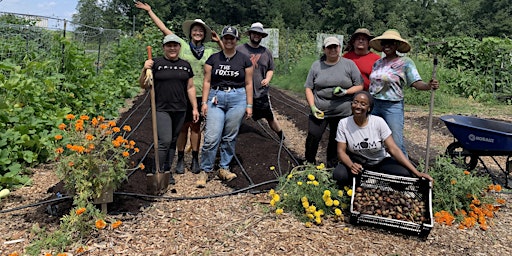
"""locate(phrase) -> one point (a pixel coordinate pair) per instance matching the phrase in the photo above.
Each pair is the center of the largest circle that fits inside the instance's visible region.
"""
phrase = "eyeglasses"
(387, 42)
(362, 104)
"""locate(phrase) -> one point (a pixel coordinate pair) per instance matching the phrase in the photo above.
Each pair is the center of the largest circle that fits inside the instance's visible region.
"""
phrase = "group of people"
(359, 95)
(225, 85)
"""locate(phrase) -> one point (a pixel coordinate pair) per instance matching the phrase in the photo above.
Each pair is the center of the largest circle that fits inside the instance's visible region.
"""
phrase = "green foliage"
(455, 188)
(310, 193)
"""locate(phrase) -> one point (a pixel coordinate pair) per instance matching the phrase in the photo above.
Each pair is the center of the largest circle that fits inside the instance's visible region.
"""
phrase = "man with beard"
(263, 64)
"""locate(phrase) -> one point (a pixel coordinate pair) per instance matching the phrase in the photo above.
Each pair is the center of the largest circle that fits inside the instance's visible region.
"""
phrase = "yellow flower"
(116, 224)
(327, 192)
(310, 216)
(305, 204)
(312, 208)
(304, 199)
(100, 224)
(308, 224)
(315, 183)
(337, 211)
(80, 211)
(318, 220)
(271, 192)
(279, 211)
(272, 168)
(311, 177)
(320, 167)
(349, 192)
(299, 183)
(272, 202)
(329, 203)
(340, 193)
(276, 197)
(335, 202)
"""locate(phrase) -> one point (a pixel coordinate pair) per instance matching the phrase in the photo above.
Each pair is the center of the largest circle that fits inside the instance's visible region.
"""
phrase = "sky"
(63, 9)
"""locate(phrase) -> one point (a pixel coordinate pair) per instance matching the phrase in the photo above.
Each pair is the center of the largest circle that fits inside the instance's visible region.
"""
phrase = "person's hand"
(148, 64)
(215, 37)
(317, 112)
(433, 84)
(195, 115)
(356, 168)
(248, 112)
(338, 91)
(204, 109)
(265, 82)
(425, 176)
(143, 6)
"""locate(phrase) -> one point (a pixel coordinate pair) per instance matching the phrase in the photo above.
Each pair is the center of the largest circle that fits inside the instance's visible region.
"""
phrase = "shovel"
(156, 183)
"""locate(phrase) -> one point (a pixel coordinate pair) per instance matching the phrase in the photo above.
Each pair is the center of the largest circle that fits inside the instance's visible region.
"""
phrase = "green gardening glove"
(317, 112)
(338, 91)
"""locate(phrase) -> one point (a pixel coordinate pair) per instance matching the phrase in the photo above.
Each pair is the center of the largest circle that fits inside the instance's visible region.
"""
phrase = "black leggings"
(343, 175)
(169, 126)
(316, 128)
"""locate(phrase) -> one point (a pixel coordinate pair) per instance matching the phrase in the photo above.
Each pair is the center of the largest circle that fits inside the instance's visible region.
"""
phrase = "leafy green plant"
(310, 193)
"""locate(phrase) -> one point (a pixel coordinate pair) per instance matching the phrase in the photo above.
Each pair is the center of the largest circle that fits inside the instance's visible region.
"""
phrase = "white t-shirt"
(366, 142)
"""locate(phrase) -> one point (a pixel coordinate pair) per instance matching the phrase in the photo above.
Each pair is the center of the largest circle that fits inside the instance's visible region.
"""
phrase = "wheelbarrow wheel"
(461, 157)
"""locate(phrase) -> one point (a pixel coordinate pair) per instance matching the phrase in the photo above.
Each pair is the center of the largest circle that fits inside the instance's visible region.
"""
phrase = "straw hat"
(391, 34)
(189, 23)
(363, 31)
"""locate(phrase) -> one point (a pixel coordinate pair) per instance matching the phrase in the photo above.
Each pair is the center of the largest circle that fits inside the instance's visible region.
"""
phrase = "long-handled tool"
(154, 180)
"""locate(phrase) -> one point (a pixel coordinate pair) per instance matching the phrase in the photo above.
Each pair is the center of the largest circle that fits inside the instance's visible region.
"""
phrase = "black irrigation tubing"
(280, 141)
(234, 192)
(36, 204)
(136, 108)
(289, 105)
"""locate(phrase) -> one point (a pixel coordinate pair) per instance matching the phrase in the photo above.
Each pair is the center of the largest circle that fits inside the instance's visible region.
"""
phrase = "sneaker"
(202, 179)
(225, 174)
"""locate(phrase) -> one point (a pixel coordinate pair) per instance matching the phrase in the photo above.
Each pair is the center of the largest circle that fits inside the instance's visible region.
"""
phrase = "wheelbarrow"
(476, 137)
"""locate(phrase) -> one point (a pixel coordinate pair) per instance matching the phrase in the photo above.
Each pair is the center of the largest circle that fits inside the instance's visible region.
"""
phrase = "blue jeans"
(223, 122)
(393, 114)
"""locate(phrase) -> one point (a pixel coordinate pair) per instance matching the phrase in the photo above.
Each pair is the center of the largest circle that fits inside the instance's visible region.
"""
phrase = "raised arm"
(156, 20)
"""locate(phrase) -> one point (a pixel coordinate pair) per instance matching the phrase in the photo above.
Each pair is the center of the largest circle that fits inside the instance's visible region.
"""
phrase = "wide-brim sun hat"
(257, 28)
(188, 24)
(391, 34)
(363, 31)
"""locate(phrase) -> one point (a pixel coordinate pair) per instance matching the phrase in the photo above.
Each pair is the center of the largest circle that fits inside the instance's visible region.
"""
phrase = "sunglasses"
(387, 42)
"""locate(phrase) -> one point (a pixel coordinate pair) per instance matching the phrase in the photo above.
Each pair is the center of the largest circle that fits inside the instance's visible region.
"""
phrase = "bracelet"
(249, 106)
(203, 102)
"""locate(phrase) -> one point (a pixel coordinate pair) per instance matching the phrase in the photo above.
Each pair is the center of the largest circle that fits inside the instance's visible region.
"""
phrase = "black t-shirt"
(228, 71)
(171, 81)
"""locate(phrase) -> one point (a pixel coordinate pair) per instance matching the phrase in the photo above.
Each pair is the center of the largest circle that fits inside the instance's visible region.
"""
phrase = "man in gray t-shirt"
(263, 64)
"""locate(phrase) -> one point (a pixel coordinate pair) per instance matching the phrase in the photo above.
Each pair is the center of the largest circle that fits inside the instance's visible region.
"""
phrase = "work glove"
(338, 91)
(317, 112)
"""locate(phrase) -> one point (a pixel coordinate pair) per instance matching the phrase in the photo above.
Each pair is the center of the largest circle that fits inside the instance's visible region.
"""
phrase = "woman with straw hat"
(196, 54)
(389, 76)
(358, 50)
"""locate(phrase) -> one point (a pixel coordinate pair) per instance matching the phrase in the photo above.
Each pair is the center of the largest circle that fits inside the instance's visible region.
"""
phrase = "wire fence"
(41, 37)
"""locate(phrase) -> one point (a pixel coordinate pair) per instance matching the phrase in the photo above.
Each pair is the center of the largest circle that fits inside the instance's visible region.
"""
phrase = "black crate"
(405, 186)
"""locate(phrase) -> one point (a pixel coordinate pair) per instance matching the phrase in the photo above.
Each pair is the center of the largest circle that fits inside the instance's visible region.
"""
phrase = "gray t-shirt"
(323, 78)
(262, 61)
(366, 142)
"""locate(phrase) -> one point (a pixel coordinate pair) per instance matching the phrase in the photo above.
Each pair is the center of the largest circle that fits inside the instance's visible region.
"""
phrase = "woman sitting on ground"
(362, 143)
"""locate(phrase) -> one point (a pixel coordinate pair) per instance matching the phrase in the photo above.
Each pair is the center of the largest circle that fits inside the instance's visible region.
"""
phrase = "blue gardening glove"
(338, 91)
(317, 112)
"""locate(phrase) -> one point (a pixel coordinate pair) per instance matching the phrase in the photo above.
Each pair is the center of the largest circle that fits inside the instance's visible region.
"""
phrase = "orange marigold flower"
(70, 116)
(127, 128)
(116, 224)
(14, 254)
(132, 143)
(116, 143)
(62, 254)
(500, 201)
(116, 129)
(497, 187)
(62, 126)
(58, 137)
(466, 172)
(101, 224)
(91, 146)
(484, 227)
(101, 118)
(126, 154)
(84, 117)
(80, 249)
(95, 121)
(70, 164)
(142, 166)
(136, 150)
(59, 150)
(47, 254)
(112, 123)
(79, 127)
(80, 211)
(453, 182)
(103, 126)
(89, 137)
(475, 201)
